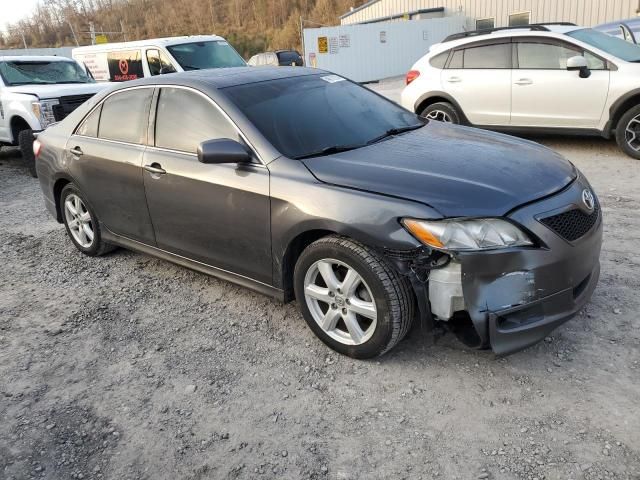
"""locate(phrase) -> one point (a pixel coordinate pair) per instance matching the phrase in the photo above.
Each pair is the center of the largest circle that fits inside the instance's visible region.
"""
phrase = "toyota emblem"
(587, 199)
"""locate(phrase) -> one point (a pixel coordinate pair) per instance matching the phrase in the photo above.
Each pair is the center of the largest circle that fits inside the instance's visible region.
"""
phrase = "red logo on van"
(123, 65)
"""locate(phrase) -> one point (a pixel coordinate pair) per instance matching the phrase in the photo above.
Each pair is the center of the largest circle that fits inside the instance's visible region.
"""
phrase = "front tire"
(352, 298)
(442, 112)
(25, 142)
(628, 132)
(81, 223)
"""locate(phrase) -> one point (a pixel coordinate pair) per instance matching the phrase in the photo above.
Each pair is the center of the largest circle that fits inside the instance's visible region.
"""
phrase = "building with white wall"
(495, 13)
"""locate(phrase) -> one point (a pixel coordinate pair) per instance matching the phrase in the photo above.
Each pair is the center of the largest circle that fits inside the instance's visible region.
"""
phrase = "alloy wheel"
(439, 116)
(632, 133)
(78, 220)
(340, 301)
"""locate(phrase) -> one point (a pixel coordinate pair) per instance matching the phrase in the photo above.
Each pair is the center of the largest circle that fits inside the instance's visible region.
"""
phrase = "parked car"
(120, 62)
(541, 78)
(279, 58)
(36, 92)
(628, 30)
(361, 222)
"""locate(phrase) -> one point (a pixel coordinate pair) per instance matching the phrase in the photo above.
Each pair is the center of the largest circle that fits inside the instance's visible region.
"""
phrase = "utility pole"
(24, 41)
(124, 34)
(73, 33)
(92, 32)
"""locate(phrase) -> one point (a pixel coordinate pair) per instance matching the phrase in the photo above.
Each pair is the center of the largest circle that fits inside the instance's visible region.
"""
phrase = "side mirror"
(579, 63)
(223, 150)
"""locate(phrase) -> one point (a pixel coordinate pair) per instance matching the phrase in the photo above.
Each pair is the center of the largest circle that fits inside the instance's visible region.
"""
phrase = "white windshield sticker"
(332, 79)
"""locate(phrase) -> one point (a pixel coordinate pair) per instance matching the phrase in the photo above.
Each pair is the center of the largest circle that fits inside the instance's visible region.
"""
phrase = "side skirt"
(246, 282)
(589, 132)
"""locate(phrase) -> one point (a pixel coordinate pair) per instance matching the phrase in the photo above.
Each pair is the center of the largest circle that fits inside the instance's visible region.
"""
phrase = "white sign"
(333, 45)
(345, 41)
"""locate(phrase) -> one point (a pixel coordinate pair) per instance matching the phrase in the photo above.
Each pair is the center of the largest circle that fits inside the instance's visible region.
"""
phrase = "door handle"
(77, 151)
(524, 81)
(454, 79)
(155, 168)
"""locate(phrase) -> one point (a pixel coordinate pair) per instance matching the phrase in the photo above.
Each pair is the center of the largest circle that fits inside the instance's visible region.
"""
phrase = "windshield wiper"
(330, 150)
(190, 67)
(395, 131)
(31, 83)
(71, 81)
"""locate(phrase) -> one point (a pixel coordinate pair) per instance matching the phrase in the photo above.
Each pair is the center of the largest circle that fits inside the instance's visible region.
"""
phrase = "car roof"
(34, 58)
(552, 31)
(164, 41)
(217, 78)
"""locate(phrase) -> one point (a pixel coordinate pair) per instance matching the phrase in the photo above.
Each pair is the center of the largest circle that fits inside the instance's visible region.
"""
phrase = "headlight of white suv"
(467, 234)
(43, 110)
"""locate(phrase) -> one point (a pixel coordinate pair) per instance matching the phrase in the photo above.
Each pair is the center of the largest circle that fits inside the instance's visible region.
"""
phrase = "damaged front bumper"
(515, 297)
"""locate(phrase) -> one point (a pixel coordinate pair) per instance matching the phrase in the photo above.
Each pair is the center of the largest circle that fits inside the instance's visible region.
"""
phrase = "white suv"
(539, 78)
(36, 92)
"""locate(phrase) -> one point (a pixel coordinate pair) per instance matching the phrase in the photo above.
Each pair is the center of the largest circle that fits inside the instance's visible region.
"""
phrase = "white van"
(118, 62)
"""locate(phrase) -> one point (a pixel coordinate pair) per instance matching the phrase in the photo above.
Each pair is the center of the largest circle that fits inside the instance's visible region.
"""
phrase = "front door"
(546, 94)
(215, 214)
(104, 156)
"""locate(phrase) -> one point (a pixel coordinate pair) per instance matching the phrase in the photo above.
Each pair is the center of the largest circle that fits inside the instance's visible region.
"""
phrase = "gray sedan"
(303, 185)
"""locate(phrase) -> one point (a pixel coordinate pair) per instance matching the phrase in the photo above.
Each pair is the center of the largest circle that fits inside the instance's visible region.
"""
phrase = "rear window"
(439, 60)
(125, 116)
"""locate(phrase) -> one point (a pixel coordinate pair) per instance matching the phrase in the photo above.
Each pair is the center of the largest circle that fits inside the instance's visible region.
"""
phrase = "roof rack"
(535, 27)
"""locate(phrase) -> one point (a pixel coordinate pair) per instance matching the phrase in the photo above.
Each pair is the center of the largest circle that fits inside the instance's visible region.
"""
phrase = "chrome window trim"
(160, 86)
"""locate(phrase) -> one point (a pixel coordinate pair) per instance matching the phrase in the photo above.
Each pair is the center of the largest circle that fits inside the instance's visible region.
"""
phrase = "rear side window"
(203, 122)
(89, 128)
(456, 59)
(125, 65)
(488, 56)
(439, 60)
(125, 116)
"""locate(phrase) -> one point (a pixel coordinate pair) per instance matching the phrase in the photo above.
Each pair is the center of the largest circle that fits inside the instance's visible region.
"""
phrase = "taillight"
(37, 148)
(412, 75)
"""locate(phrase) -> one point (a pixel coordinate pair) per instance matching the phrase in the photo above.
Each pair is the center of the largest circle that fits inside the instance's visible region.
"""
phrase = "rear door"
(546, 94)
(478, 77)
(104, 157)
(216, 214)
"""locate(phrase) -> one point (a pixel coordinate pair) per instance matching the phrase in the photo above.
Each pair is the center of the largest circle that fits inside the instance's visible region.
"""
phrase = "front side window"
(209, 54)
(544, 56)
(315, 115)
(203, 121)
(615, 46)
(488, 56)
(89, 128)
(159, 63)
(125, 116)
(21, 72)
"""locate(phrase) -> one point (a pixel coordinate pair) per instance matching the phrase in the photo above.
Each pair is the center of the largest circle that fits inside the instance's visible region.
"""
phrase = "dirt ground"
(127, 367)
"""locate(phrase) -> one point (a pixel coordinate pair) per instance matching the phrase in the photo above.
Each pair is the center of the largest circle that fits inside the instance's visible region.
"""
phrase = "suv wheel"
(25, 142)
(351, 298)
(81, 223)
(628, 132)
(442, 112)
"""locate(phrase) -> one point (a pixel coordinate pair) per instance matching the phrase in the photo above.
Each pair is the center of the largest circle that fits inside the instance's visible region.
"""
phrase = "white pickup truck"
(36, 92)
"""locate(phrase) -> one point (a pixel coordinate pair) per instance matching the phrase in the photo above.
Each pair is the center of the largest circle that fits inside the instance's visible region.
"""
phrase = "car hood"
(58, 90)
(459, 171)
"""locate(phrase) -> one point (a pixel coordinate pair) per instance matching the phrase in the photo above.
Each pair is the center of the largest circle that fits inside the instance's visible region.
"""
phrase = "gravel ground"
(128, 367)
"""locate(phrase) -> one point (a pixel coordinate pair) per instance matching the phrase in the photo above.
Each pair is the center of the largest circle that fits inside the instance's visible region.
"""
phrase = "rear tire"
(442, 112)
(25, 142)
(81, 223)
(363, 308)
(628, 132)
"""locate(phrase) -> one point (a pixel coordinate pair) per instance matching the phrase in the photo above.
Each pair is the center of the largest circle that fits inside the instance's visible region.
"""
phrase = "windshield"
(612, 45)
(19, 72)
(199, 55)
(319, 114)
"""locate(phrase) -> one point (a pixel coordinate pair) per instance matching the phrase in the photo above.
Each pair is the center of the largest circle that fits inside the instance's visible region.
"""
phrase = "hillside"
(250, 25)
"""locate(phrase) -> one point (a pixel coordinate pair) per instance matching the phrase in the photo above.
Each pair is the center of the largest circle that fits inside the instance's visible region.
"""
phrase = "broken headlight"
(467, 234)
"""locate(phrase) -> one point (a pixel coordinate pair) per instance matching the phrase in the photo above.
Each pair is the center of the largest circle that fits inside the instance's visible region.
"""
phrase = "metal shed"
(501, 12)
(374, 51)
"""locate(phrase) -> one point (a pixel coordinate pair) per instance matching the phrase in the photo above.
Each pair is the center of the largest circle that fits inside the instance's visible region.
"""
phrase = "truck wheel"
(352, 298)
(442, 112)
(628, 132)
(25, 142)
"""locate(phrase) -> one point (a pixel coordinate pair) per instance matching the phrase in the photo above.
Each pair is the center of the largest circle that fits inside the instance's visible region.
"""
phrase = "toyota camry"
(305, 186)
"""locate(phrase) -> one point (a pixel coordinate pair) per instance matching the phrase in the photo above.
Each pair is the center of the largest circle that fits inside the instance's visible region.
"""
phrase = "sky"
(12, 10)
